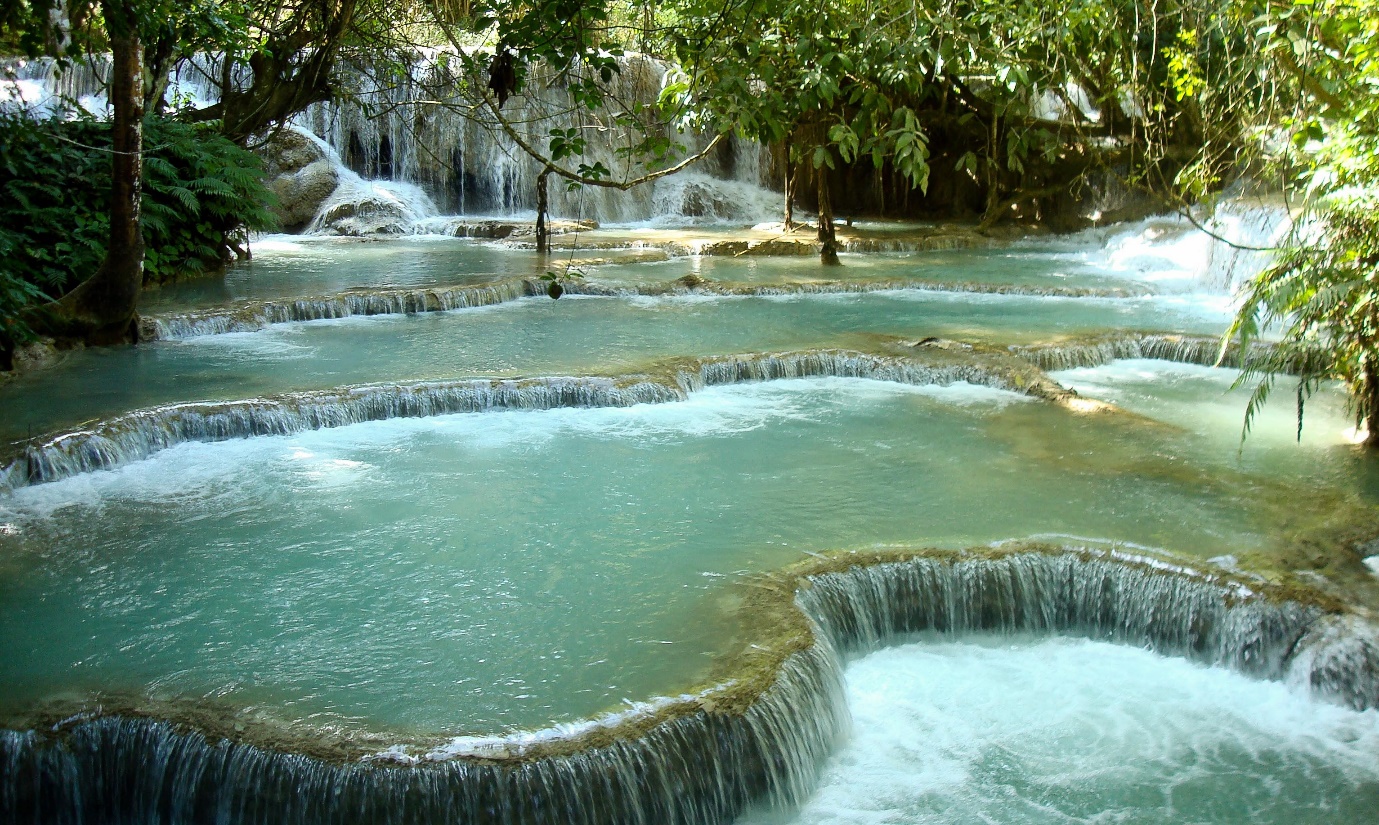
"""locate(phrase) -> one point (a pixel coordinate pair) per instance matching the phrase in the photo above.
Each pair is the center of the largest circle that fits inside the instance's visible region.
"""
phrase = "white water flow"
(1060, 730)
(469, 166)
(441, 580)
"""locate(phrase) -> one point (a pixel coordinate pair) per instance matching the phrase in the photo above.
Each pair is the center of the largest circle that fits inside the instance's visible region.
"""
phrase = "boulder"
(302, 175)
(31, 357)
(301, 193)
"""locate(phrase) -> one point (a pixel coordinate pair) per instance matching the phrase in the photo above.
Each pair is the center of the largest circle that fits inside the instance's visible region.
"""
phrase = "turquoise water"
(538, 336)
(1205, 402)
(293, 265)
(477, 573)
(1022, 267)
(512, 568)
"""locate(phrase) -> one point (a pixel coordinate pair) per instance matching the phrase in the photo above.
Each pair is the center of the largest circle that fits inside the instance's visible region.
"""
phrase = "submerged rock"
(358, 207)
(33, 356)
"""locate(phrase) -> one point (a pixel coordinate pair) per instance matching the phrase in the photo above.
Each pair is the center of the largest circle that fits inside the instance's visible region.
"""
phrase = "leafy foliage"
(202, 194)
(1323, 296)
(998, 93)
(53, 213)
(1323, 291)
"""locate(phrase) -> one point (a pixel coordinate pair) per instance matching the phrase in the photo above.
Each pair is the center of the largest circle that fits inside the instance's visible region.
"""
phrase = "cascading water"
(41, 86)
(744, 721)
(1043, 730)
(401, 161)
(459, 155)
(140, 434)
(1215, 253)
(758, 737)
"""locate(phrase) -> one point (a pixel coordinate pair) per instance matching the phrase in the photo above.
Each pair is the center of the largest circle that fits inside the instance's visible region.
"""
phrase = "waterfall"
(465, 162)
(757, 737)
(136, 435)
(692, 766)
(41, 86)
(372, 207)
(1102, 598)
(1246, 234)
(412, 140)
(1238, 242)
(1202, 350)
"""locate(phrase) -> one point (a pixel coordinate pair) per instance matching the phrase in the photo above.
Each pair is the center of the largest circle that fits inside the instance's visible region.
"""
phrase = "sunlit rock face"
(301, 174)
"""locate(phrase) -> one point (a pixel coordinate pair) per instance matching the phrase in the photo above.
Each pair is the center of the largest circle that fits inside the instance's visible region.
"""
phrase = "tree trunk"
(789, 188)
(101, 310)
(1370, 406)
(543, 244)
(993, 172)
(828, 238)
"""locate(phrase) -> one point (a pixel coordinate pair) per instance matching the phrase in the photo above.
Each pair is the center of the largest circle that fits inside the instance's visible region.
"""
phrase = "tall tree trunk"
(993, 172)
(1370, 405)
(789, 188)
(543, 244)
(828, 238)
(101, 310)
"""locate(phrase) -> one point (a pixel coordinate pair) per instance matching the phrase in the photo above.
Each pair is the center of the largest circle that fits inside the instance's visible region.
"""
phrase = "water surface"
(470, 572)
(538, 336)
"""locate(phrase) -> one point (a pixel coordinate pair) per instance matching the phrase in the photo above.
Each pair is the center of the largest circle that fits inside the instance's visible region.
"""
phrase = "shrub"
(202, 196)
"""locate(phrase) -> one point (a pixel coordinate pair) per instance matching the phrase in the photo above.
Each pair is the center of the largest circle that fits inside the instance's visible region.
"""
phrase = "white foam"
(1107, 382)
(271, 343)
(343, 456)
(1068, 730)
(278, 244)
(1172, 253)
(517, 743)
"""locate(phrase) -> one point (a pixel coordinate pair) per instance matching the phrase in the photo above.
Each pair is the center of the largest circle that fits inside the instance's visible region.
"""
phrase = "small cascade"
(920, 285)
(696, 197)
(137, 435)
(1340, 658)
(1121, 600)
(259, 314)
(256, 315)
(756, 738)
(1184, 349)
(372, 207)
(938, 241)
(834, 364)
(692, 766)
(1217, 254)
(1132, 599)
(1246, 235)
